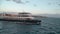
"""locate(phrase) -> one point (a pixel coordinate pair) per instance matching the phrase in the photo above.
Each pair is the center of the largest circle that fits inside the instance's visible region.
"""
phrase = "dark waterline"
(47, 26)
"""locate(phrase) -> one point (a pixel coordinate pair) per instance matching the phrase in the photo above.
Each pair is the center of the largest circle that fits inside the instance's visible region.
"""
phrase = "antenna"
(23, 11)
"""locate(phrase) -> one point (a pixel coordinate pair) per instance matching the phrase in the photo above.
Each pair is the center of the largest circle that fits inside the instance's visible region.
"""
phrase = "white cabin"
(19, 16)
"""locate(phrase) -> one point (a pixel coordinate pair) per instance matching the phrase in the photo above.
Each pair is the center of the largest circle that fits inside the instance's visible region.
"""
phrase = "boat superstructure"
(25, 16)
(19, 16)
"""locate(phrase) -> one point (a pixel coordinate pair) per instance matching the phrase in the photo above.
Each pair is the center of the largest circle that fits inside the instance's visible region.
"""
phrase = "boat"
(20, 17)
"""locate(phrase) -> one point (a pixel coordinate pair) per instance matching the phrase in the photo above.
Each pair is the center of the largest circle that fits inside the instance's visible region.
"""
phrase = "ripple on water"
(49, 26)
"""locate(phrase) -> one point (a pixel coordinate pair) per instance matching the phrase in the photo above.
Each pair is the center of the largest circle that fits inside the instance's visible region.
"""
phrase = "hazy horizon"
(44, 15)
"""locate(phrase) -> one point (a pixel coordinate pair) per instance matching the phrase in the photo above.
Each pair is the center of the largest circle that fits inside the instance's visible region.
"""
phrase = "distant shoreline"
(40, 16)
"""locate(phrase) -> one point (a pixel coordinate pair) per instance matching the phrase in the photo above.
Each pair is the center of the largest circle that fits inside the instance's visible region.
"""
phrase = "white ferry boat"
(21, 17)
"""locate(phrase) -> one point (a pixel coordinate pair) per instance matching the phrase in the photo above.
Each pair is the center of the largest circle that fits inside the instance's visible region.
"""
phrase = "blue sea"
(47, 26)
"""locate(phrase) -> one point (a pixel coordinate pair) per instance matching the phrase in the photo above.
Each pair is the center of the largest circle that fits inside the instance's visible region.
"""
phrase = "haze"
(33, 6)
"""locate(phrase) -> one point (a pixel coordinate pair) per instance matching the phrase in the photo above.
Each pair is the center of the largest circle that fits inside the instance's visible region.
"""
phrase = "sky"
(33, 6)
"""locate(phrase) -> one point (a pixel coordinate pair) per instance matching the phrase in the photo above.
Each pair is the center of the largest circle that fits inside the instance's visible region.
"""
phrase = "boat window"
(7, 15)
(23, 15)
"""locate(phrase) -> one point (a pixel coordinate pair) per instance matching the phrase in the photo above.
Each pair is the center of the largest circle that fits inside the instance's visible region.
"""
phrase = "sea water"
(47, 26)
